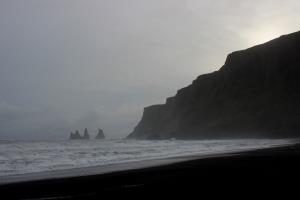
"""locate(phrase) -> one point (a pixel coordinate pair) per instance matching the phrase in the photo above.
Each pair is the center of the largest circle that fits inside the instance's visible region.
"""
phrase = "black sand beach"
(269, 171)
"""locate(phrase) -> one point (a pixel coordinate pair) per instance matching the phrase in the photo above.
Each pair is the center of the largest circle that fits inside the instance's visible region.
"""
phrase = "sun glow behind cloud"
(263, 34)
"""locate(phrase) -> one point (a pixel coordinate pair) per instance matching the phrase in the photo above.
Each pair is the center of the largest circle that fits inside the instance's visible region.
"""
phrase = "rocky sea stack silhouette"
(77, 136)
(256, 93)
(100, 134)
(86, 135)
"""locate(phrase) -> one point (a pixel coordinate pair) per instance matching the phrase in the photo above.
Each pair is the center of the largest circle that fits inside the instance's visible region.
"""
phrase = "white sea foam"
(26, 157)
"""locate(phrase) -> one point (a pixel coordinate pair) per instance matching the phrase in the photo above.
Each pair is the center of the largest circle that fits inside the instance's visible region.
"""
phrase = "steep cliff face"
(255, 94)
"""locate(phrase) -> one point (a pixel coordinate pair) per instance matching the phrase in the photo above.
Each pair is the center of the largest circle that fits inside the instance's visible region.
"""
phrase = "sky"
(75, 64)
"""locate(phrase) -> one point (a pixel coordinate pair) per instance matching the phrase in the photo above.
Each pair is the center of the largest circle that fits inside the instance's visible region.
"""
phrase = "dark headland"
(256, 94)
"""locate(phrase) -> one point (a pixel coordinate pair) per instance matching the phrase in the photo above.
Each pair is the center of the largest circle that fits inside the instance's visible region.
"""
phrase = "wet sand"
(265, 170)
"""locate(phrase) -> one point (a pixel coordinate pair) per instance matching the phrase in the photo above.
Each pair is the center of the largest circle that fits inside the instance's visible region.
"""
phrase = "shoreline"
(125, 166)
(270, 167)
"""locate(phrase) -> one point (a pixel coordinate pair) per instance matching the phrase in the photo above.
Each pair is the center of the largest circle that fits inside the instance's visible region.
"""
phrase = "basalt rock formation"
(86, 135)
(75, 136)
(100, 134)
(256, 93)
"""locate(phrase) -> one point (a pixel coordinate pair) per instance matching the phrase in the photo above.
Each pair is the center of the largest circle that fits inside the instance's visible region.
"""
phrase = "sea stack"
(255, 94)
(100, 134)
(86, 135)
(72, 136)
(75, 136)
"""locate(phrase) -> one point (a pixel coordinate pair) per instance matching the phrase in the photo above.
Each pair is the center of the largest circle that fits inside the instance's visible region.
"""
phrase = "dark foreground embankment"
(270, 171)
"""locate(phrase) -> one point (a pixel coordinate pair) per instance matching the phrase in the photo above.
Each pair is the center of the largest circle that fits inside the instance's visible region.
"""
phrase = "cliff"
(256, 93)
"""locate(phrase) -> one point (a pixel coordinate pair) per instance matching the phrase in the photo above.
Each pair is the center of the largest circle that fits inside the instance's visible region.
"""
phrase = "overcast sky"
(71, 64)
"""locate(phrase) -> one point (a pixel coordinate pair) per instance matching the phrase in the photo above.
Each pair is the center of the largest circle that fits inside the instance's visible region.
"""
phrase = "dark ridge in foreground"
(270, 172)
(255, 94)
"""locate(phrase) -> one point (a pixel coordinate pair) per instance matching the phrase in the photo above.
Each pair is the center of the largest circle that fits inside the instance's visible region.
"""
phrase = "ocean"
(22, 157)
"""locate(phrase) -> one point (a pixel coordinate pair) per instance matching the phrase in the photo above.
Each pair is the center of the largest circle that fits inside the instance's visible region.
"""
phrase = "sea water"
(21, 157)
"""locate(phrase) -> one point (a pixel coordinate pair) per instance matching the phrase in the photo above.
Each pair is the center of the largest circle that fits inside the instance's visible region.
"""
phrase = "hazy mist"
(75, 64)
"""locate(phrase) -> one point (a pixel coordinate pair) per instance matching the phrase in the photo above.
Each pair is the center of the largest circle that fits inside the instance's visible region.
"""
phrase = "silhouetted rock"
(100, 134)
(75, 136)
(255, 94)
(72, 136)
(86, 135)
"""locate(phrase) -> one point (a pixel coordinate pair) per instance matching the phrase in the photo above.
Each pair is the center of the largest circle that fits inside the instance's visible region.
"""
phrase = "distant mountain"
(256, 93)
